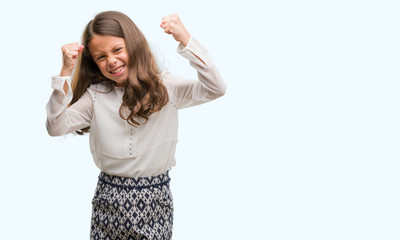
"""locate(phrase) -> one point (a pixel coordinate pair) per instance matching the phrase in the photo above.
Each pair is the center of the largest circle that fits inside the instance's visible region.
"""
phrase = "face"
(111, 57)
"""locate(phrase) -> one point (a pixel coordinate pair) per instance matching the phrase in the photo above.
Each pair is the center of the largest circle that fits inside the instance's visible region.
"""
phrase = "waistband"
(140, 182)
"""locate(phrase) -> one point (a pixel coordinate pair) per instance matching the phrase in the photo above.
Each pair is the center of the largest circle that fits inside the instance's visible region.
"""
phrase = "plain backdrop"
(304, 145)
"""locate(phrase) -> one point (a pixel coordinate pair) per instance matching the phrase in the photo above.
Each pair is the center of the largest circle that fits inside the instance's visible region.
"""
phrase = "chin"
(121, 83)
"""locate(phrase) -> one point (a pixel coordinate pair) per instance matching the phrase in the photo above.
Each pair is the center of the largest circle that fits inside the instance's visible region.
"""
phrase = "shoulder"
(170, 80)
(165, 76)
(167, 79)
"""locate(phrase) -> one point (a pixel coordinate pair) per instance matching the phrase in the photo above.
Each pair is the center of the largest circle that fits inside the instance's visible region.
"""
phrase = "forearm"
(208, 74)
(62, 119)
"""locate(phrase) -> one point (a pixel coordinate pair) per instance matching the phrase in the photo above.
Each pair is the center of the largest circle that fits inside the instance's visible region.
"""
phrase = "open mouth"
(118, 70)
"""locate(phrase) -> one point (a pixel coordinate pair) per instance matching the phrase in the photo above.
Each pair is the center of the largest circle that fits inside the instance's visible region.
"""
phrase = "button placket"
(94, 96)
(131, 142)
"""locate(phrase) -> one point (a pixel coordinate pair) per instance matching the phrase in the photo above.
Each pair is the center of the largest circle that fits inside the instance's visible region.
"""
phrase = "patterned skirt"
(132, 208)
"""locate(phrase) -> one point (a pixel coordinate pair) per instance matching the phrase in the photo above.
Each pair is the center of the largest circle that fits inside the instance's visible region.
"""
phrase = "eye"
(117, 49)
(99, 58)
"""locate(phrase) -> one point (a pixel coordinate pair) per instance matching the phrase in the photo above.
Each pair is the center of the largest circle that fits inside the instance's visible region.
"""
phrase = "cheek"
(125, 58)
(102, 68)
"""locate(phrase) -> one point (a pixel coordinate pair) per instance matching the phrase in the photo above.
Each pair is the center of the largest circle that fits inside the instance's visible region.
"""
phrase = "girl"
(130, 107)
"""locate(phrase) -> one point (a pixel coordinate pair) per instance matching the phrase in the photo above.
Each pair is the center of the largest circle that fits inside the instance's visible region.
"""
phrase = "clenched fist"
(172, 25)
(70, 53)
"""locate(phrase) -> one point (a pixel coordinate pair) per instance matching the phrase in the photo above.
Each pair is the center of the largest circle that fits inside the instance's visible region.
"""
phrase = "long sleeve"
(62, 119)
(209, 85)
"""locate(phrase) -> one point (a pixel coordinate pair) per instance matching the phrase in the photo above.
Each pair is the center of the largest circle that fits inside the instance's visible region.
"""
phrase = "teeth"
(117, 71)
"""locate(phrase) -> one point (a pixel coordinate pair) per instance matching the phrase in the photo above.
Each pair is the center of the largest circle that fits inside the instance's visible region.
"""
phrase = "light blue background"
(304, 145)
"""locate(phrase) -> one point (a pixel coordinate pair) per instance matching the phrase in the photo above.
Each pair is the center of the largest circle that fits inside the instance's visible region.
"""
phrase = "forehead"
(100, 43)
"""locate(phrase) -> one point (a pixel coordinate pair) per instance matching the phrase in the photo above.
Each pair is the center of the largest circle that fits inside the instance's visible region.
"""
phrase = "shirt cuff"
(57, 82)
(182, 48)
(193, 51)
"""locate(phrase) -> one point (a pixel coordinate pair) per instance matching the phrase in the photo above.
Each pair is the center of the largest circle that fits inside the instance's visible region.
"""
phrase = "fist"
(172, 25)
(70, 54)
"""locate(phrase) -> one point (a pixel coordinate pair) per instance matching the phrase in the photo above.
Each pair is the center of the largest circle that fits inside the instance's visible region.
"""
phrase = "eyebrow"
(117, 44)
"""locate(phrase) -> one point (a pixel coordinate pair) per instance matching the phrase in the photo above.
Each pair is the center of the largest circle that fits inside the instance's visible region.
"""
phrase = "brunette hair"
(144, 94)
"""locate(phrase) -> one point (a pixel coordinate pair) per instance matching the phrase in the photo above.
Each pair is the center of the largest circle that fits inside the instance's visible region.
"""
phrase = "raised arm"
(62, 119)
(209, 85)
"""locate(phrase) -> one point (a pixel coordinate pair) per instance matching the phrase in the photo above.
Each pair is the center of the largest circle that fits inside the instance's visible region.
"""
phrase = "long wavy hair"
(144, 94)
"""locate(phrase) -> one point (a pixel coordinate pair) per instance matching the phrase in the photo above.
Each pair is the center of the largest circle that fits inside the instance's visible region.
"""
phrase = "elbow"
(52, 134)
(51, 131)
(220, 91)
(216, 94)
(220, 88)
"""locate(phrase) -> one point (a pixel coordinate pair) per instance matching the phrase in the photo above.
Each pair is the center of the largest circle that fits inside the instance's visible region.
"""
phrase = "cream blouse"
(119, 148)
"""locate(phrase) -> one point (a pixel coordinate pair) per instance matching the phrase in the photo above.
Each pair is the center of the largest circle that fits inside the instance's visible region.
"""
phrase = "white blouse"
(119, 148)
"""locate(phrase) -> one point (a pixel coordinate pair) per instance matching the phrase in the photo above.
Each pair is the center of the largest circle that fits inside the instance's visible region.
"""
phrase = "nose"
(111, 61)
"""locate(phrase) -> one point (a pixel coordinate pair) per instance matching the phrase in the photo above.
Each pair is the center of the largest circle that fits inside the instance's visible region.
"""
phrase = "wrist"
(185, 40)
(65, 72)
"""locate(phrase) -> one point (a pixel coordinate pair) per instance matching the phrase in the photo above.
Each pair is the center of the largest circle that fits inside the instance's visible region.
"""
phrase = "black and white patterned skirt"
(132, 208)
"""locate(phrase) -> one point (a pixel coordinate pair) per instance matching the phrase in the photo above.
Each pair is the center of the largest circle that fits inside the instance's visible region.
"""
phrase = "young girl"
(131, 108)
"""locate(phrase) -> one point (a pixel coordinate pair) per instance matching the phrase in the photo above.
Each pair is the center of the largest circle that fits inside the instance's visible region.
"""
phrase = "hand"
(172, 25)
(70, 53)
